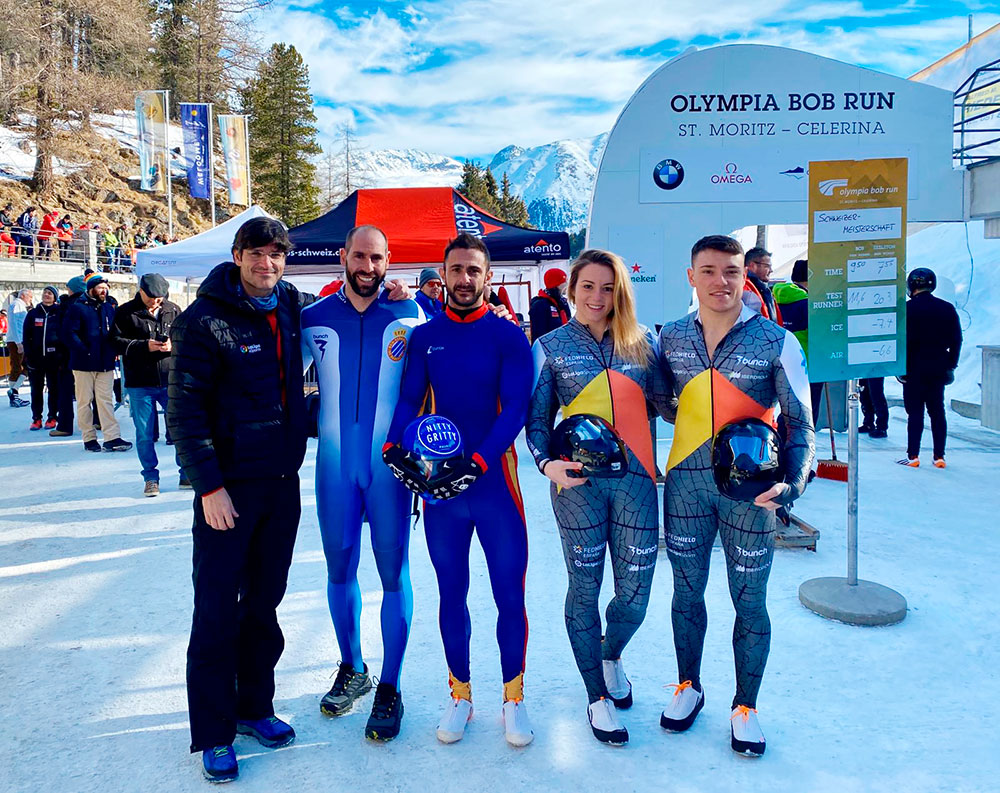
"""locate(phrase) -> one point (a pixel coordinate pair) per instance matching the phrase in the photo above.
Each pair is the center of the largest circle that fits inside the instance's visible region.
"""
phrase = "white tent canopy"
(195, 257)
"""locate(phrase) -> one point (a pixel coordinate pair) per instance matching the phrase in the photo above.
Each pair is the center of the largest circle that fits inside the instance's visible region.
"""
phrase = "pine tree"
(283, 136)
(512, 207)
(471, 185)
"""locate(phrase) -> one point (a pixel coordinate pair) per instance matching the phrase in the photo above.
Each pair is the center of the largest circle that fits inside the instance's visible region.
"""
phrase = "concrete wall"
(16, 274)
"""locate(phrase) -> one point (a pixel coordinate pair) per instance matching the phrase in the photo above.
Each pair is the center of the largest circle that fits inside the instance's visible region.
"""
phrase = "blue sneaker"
(220, 764)
(271, 732)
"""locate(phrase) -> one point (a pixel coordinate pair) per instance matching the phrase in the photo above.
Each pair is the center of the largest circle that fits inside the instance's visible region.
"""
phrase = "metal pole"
(852, 482)
(211, 162)
(170, 184)
(246, 129)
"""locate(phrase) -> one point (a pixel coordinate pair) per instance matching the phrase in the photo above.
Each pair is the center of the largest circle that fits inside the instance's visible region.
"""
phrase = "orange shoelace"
(744, 711)
(679, 687)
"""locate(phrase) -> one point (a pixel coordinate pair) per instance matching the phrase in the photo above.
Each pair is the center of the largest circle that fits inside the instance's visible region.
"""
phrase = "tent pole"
(211, 162)
(170, 182)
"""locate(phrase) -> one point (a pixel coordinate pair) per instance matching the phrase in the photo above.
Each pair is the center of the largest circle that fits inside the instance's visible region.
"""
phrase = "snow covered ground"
(95, 603)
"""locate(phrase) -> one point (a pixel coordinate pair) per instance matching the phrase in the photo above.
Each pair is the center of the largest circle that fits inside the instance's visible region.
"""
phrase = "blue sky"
(467, 77)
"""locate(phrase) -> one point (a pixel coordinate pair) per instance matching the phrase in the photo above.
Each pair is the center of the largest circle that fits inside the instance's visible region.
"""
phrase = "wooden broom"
(831, 469)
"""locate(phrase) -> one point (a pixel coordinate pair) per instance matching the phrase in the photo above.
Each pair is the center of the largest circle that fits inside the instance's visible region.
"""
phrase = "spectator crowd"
(43, 233)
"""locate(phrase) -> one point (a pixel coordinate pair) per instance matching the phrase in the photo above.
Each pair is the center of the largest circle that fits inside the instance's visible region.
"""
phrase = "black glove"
(312, 414)
(455, 478)
(401, 467)
(949, 376)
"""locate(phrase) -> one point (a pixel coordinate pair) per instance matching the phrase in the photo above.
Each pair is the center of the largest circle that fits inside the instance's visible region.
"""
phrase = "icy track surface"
(95, 607)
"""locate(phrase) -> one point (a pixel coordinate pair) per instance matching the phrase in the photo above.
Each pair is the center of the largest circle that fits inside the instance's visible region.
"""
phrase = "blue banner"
(197, 149)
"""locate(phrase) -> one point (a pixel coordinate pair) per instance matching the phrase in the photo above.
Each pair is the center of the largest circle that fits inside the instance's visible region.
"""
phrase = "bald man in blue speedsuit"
(358, 340)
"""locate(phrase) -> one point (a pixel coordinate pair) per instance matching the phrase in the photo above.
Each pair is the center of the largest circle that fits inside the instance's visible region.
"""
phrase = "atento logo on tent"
(470, 221)
(668, 174)
(544, 247)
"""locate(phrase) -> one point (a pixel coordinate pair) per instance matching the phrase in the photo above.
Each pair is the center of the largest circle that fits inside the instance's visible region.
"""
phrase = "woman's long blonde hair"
(629, 338)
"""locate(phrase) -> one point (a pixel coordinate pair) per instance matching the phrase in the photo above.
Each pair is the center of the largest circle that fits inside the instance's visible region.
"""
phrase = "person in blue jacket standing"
(86, 331)
(429, 292)
(358, 339)
(476, 369)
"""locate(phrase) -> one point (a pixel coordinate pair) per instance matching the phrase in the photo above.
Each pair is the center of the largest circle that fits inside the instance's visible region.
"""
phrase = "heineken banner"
(151, 123)
(857, 269)
(197, 149)
(233, 130)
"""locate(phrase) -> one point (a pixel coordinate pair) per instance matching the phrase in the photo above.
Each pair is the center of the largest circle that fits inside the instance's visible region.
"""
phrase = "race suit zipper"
(361, 347)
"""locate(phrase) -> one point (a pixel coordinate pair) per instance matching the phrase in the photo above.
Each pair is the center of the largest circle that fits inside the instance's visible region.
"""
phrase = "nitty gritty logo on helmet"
(668, 174)
(397, 345)
(732, 176)
(553, 249)
(637, 276)
(439, 437)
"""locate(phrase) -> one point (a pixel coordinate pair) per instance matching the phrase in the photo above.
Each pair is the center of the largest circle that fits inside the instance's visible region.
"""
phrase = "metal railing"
(82, 248)
(977, 116)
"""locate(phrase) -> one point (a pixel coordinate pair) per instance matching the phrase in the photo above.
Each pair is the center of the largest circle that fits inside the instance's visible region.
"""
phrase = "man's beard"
(471, 301)
(363, 291)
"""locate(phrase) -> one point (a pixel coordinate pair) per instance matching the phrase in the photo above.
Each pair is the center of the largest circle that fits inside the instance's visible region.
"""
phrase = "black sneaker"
(878, 434)
(92, 446)
(864, 429)
(348, 687)
(117, 445)
(387, 713)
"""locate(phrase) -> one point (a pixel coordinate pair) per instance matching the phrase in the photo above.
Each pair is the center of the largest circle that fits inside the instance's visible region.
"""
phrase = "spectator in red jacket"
(47, 231)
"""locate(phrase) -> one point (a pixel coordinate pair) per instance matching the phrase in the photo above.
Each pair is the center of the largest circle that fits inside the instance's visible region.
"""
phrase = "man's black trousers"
(66, 389)
(239, 580)
(920, 393)
(874, 407)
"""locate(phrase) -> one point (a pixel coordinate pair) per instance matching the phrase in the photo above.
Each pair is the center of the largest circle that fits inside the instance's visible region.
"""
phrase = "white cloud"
(460, 76)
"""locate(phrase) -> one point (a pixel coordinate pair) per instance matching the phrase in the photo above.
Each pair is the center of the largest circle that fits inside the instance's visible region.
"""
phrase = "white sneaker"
(683, 708)
(604, 722)
(516, 724)
(748, 739)
(618, 685)
(452, 726)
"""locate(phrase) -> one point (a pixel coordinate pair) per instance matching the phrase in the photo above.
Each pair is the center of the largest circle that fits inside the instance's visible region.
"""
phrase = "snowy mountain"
(406, 168)
(555, 180)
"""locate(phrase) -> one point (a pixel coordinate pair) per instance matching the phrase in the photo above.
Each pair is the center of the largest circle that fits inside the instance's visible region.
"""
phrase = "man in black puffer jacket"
(236, 413)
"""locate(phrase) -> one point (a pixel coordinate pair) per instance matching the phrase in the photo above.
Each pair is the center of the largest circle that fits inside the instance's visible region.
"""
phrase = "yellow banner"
(151, 124)
(233, 130)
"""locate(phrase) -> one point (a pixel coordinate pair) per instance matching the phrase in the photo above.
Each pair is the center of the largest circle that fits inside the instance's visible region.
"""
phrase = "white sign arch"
(721, 138)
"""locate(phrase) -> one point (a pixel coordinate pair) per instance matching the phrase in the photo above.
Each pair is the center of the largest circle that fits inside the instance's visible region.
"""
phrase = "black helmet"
(922, 278)
(591, 440)
(746, 459)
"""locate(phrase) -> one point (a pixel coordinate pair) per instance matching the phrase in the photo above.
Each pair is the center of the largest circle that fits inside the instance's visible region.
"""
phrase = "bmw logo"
(668, 174)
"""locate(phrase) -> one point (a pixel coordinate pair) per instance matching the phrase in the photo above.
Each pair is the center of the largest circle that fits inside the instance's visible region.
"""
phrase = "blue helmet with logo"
(429, 442)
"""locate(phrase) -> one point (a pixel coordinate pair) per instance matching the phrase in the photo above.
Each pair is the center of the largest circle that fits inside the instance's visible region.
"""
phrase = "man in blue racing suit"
(358, 340)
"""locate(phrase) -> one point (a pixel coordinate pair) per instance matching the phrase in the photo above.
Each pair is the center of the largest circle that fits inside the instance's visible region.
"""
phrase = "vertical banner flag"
(234, 150)
(857, 269)
(151, 124)
(197, 148)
